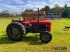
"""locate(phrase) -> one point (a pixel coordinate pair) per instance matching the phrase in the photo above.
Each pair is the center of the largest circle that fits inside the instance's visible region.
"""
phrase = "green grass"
(31, 43)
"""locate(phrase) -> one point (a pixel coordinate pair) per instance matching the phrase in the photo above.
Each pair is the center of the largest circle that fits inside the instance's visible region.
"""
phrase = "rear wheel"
(15, 31)
(45, 37)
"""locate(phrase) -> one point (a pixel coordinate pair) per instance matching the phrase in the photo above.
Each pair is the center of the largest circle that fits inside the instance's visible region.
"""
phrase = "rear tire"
(45, 36)
(15, 31)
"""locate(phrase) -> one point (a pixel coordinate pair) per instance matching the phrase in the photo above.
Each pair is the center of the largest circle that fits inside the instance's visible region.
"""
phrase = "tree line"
(65, 10)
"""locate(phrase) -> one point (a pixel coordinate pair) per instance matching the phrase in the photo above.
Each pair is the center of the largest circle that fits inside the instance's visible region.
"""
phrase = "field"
(31, 43)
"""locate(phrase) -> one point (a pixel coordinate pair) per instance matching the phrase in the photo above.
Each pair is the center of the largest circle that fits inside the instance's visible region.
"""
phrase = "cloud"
(18, 1)
(59, 2)
(21, 5)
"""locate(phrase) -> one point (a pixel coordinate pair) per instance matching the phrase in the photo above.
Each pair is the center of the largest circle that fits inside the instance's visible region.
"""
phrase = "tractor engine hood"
(41, 22)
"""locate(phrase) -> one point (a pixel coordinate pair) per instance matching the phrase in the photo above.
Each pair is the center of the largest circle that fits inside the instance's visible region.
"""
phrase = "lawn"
(31, 43)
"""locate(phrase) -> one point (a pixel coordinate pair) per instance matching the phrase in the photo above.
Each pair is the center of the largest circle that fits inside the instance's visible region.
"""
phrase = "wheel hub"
(15, 31)
(45, 37)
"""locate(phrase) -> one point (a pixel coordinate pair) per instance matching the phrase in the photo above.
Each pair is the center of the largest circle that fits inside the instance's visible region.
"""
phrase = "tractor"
(19, 28)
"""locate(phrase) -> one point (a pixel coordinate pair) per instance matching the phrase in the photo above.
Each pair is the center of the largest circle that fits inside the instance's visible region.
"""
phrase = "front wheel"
(45, 36)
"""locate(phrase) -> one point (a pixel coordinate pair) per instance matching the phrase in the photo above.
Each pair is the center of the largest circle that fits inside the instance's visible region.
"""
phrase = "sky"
(21, 5)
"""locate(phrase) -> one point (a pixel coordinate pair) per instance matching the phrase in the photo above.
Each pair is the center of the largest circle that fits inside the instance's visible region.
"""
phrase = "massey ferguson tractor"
(19, 28)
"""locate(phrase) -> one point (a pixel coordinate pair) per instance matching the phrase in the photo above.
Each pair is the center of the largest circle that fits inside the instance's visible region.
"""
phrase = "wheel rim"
(45, 37)
(15, 32)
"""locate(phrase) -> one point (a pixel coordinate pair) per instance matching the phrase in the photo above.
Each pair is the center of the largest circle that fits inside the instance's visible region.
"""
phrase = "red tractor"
(18, 28)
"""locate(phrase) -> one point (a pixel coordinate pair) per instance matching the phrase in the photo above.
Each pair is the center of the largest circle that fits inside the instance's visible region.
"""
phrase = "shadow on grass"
(31, 40)
(5, 40)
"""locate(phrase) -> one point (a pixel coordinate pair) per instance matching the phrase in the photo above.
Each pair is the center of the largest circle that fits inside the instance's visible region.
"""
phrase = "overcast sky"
(21, 5)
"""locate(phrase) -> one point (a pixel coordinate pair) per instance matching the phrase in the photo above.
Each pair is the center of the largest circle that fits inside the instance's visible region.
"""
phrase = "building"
(9, 13)
(5, 12)
(53, 14)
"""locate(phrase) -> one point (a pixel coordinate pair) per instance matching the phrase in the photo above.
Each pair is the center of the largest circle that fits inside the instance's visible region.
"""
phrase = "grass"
(31, 43)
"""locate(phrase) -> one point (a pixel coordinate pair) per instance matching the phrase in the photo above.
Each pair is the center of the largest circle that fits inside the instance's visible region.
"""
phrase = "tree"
(46, 8)
(56, 7)
(66, 11)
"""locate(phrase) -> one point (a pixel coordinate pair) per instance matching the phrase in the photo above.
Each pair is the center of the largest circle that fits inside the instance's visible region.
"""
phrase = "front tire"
(15, 31)
(45, 36)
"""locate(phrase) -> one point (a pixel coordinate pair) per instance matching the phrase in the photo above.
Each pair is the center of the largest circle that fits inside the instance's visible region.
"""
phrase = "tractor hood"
(41, 22)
